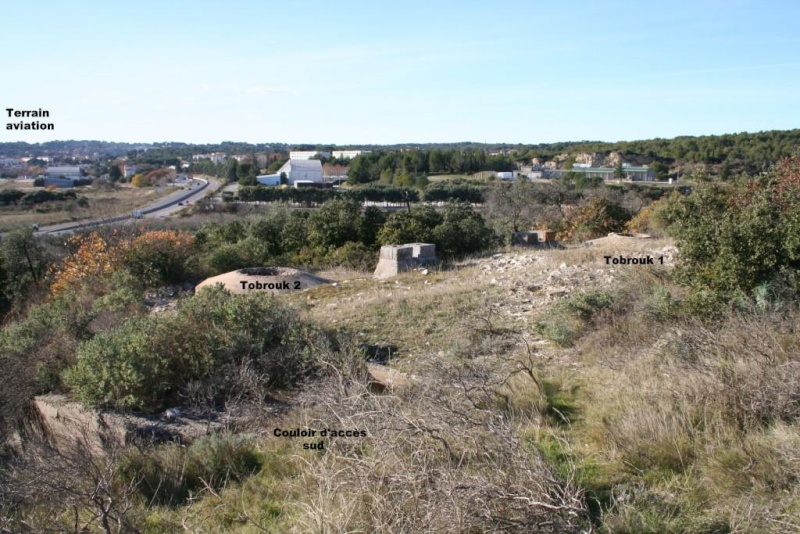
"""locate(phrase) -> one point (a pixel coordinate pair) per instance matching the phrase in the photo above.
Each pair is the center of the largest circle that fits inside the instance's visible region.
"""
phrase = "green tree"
(148, 362)
(334, 224)
(294, 234)
(511, 205)
(661, 171)
(618, 171)
(231, 169)
(370, 224)
(114, 173)
(410, 226)
(246, 173)
(462, 231)
(24, 261)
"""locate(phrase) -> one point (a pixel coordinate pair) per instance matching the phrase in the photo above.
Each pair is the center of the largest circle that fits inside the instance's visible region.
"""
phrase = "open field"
(92, 203)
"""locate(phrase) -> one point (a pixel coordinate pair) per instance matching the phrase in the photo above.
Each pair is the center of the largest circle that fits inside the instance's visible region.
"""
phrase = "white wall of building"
(302, 169)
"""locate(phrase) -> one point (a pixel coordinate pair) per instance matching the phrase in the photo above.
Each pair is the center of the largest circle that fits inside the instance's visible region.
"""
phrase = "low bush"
(734, 239)
(214, 338)
(595, 219)
(572, 316)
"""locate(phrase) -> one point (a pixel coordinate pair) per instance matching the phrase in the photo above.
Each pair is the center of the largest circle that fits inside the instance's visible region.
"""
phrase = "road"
(163, 207)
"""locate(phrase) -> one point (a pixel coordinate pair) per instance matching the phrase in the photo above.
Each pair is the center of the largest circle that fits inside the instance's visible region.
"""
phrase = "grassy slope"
(663, 424)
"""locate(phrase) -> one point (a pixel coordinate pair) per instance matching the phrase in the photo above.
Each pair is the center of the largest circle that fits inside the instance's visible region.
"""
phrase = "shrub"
(409, 227)
(735, 239)
(462, 231)
(159, 257)
(354, 256)
(596, 219)
(213, 336)
(92, 259)
(334, 224)
(571, 317)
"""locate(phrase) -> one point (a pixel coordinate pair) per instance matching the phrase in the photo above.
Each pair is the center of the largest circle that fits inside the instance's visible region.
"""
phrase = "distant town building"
(306, 170)
(71, 173)
(636, 174)
(9, 162)
(128, 170)
(215, 157)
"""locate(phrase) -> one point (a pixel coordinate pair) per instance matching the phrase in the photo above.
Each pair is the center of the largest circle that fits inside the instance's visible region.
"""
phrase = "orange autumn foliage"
(93, 258)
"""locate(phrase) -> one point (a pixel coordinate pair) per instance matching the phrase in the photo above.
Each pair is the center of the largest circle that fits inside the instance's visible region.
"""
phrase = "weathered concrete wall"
(395, 259)
(533, 238)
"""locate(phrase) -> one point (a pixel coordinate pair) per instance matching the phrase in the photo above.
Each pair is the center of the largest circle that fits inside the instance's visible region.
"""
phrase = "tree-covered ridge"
(744, 152)
(754, 151)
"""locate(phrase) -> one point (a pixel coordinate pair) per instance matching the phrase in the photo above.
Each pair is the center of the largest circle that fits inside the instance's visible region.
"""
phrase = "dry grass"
(687, 422)
(435, 460)
(416, 313)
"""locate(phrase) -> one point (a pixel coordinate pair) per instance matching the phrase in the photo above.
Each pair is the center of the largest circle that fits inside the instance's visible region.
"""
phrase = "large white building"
(306, 170)
(71, 173)
(308, 154)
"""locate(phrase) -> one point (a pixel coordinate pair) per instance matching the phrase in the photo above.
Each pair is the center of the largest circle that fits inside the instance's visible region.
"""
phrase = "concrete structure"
(72, 173)
(306, 170)
(636, 174)
(395, 259)
(534, 238)
(59, 182)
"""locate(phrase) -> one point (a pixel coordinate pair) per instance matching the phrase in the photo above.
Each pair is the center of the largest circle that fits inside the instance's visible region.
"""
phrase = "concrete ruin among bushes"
(395, 259)
(534, 238)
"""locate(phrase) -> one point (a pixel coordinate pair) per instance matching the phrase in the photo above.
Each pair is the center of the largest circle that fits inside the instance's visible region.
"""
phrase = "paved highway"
(163, 207)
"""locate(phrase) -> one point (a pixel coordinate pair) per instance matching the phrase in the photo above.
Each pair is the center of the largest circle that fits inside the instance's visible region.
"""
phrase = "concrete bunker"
(534, 238)
(275, 280)
(395, 259)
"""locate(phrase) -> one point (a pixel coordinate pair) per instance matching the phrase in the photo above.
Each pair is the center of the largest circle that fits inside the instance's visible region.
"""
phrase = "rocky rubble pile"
(533, 281)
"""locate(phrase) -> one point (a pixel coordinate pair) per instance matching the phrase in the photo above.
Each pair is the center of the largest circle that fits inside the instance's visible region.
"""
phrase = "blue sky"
(352, 72)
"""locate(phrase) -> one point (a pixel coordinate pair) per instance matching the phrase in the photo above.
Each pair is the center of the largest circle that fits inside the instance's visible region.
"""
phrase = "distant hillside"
(729, 154)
